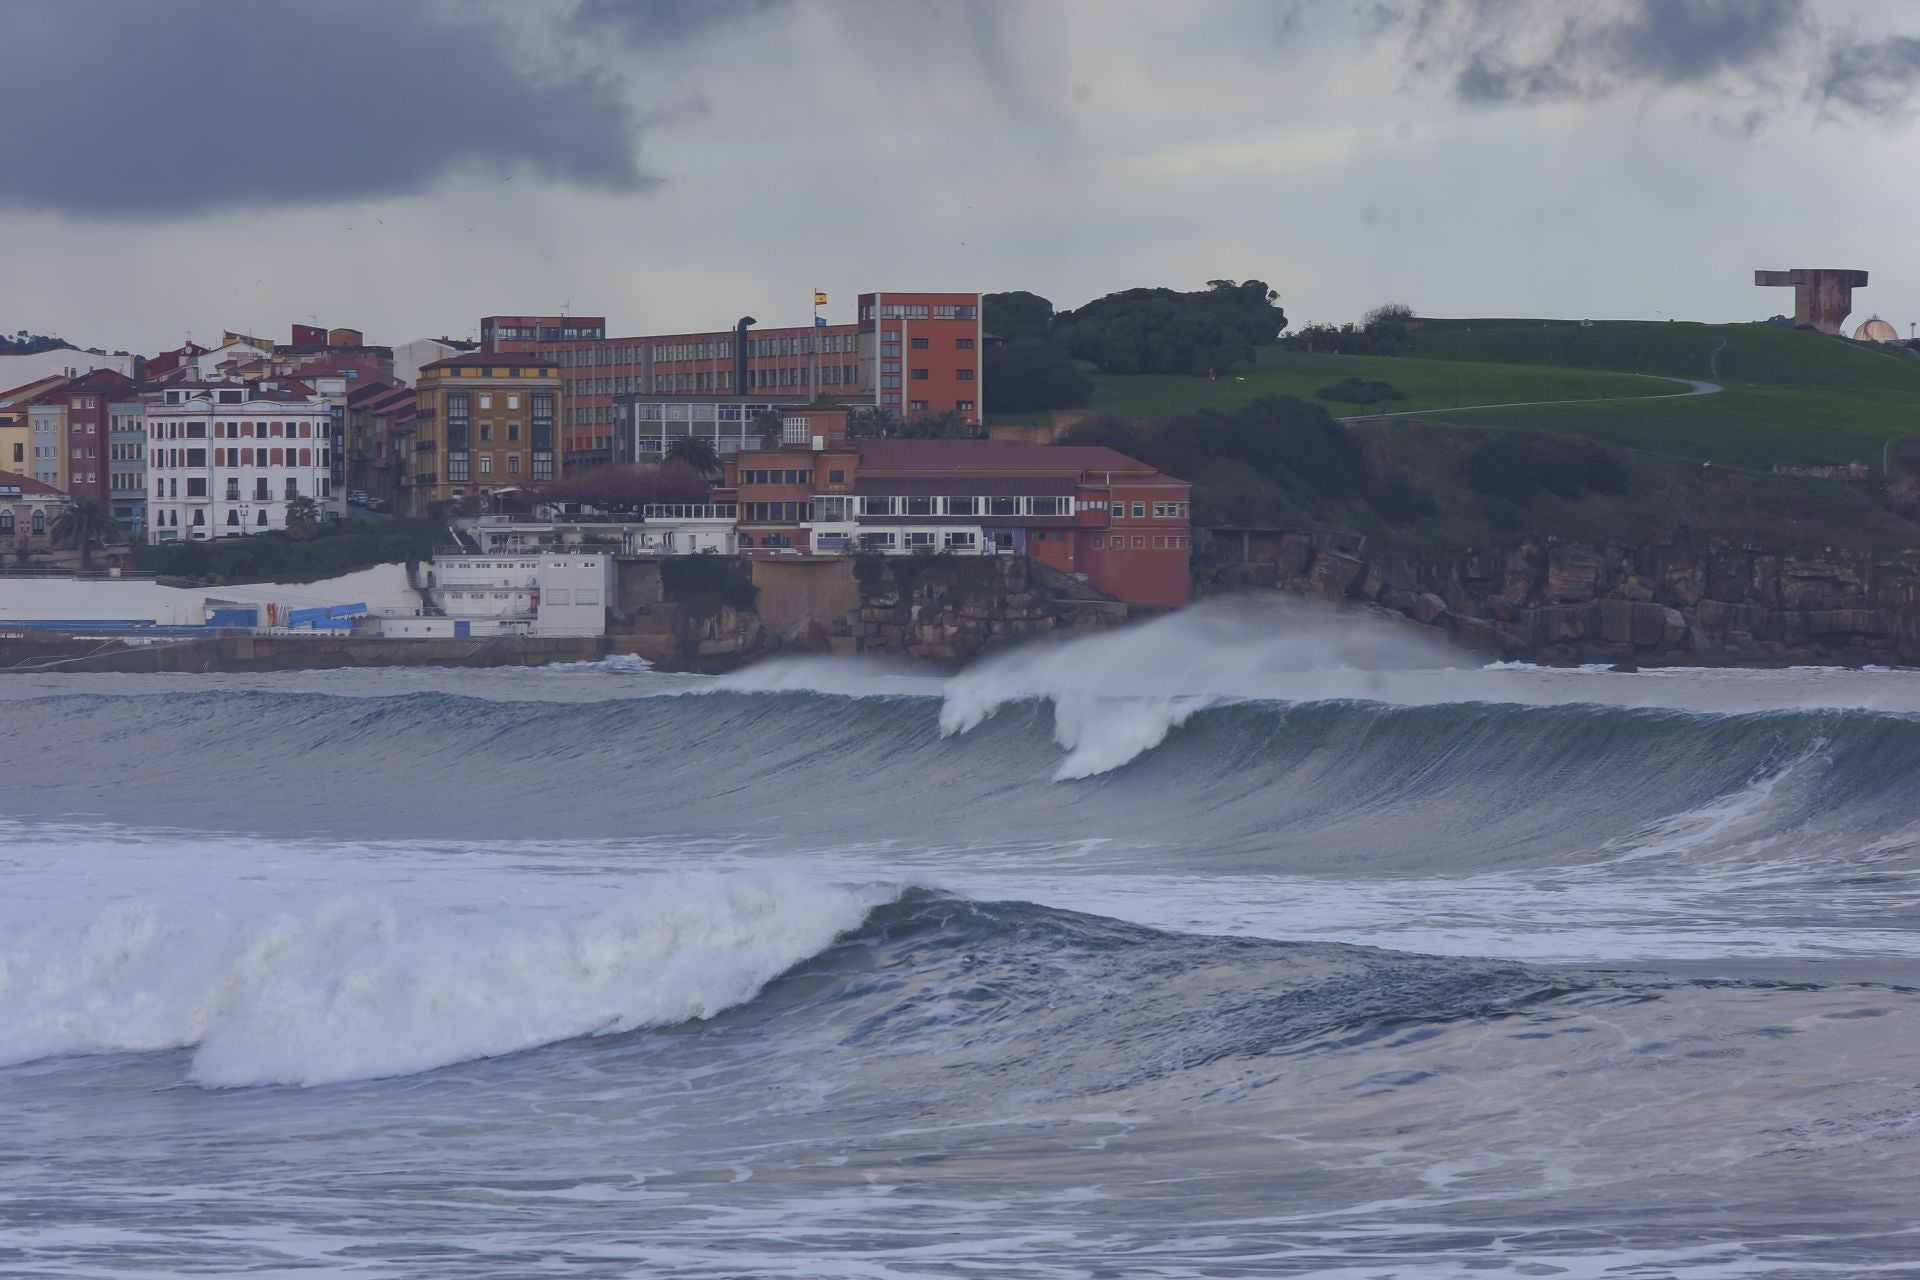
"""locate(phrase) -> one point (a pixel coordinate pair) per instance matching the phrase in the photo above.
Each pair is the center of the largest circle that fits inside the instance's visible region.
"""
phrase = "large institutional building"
(910, 352)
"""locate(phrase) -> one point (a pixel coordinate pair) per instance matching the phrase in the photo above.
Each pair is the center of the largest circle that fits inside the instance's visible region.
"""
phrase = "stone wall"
(1673, 603)
(943, 608)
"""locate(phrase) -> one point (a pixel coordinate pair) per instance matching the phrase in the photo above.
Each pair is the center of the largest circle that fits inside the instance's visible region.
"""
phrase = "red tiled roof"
(480, 359)
(27, 483)
(991, 455)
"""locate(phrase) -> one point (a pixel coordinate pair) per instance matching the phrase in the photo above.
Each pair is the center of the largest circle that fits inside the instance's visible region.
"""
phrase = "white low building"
(529, 593)
(662, 530)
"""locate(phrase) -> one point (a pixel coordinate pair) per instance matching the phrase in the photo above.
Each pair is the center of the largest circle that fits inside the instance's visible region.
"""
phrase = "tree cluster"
(282, 557)
(1166, 331)
(1383, 331)
(23, 343)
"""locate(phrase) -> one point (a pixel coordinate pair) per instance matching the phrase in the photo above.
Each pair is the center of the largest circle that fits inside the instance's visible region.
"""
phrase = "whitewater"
(1256, 940)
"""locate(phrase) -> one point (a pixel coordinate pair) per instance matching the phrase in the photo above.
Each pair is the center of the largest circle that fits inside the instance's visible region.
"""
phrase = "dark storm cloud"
(1518, 51)
(139, 110)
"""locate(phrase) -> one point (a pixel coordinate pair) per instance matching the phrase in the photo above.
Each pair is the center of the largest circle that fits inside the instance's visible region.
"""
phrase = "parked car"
(357, 498)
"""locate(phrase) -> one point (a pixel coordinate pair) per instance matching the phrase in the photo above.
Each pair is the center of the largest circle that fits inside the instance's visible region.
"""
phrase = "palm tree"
(303, 513)
(82, 523)
(696, 453)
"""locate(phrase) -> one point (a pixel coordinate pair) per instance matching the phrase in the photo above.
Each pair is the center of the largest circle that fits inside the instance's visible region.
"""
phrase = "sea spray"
(349, 988)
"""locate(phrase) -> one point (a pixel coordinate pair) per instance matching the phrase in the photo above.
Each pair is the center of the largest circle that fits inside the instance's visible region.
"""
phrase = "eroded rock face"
(1663, 604)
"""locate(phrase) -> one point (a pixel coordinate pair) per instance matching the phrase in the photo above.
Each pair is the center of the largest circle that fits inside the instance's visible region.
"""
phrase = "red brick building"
(1083, 510)
(84, 444)
(915, 353)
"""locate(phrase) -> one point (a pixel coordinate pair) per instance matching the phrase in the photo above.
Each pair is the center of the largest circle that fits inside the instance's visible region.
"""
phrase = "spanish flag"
(819, 299)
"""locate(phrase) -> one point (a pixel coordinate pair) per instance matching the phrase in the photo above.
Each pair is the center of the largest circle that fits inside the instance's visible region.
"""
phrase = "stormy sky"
(187, 166)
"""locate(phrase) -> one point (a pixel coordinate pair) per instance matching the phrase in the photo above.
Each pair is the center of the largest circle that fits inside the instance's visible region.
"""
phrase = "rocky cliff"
(724, 613)
(1669, 603)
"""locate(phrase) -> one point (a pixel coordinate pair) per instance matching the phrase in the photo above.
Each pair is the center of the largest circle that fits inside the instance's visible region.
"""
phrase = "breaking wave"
(355, 988)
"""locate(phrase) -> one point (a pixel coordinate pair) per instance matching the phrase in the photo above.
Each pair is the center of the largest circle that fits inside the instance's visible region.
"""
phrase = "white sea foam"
(355, 987)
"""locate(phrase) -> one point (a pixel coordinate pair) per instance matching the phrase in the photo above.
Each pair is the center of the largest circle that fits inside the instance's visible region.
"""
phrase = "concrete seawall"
(45, 652)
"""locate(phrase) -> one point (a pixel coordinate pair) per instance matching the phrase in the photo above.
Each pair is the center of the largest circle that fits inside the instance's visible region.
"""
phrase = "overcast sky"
(406, 166)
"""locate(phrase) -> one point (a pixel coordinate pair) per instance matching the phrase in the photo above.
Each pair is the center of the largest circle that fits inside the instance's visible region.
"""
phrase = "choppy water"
(1234, 945)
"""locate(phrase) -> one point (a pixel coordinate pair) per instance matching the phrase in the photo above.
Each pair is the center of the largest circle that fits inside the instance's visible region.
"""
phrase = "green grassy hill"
(1429, 384)
(1791, 396)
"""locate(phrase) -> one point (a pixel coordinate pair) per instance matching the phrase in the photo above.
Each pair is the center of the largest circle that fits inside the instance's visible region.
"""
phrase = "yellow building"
(16, 435)
(482, 422)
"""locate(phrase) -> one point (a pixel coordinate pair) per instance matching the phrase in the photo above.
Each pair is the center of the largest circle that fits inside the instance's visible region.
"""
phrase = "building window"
(919, 344)
(963, 344)
(916, 404)
(965, 406)
(919, 375)
(1139, 511)
(965, 375)
(486, 464)
(513, 464)
(486, 431)
(1139, 542)
(486, 399)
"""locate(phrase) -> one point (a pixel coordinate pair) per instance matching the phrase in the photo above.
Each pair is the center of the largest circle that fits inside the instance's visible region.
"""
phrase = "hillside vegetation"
(1428, 384)
(1791, 396)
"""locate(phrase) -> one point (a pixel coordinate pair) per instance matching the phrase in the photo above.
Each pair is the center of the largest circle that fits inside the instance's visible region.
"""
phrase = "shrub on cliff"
(1514, 468)
(1361, 391)
(1400, 501)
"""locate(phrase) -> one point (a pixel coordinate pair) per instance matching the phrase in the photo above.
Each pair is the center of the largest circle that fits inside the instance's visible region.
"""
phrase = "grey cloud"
(1515, 51)
(1873, 79)
(141, 110)
(666, 20)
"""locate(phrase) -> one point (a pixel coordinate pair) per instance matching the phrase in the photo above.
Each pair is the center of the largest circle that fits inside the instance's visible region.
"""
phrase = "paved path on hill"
(1694, 387)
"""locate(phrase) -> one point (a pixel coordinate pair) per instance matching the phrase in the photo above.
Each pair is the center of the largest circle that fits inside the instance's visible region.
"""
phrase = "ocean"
(1249, 942)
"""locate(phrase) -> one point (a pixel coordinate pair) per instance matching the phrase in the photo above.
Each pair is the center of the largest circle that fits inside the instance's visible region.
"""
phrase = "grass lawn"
(1791, 396)
(1429, 384)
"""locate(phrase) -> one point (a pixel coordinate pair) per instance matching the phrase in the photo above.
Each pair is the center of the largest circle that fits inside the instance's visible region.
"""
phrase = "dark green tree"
(1017, 316)
(1032, 375)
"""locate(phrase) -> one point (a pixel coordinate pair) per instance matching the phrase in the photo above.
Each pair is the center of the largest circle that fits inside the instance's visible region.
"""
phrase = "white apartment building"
(225, 458)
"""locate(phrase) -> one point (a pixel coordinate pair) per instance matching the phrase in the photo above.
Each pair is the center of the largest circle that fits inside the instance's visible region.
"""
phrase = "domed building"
(1876, 330)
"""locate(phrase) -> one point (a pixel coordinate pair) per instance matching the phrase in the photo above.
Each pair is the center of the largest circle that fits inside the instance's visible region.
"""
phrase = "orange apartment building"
(911, 352)
(1083, 510)
(480, 423)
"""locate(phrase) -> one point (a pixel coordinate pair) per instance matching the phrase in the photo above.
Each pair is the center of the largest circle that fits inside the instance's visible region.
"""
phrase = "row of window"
(756, 475)
(921, 311)
(194, 459)
(223, 430)
(915, 539)
(1117, 542)
(918, 505)
(924, 406)
(774, 512)
(169, 487)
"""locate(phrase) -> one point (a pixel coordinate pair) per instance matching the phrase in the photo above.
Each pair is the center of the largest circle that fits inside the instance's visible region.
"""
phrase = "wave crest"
(356, 988)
